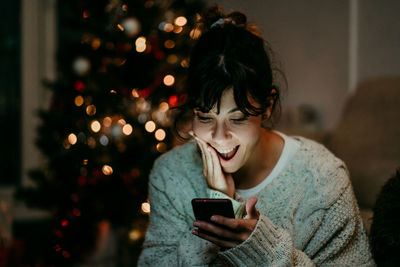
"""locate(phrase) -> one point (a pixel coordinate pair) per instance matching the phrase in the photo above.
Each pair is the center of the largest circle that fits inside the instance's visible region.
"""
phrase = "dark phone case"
(204, 208)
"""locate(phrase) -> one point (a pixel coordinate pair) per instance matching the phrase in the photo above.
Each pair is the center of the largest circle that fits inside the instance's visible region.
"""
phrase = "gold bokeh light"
(160, 134)
(72, 139)
(180, 21)
(95, 126)
(107, 170)
(169, 80)
(127, 129)
(150, 126)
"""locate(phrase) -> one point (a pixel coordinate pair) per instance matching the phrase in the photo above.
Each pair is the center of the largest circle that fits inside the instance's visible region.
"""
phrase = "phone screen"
(204, 208)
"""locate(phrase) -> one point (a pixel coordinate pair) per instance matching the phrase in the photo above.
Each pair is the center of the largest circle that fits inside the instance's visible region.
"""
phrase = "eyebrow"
(233, 110)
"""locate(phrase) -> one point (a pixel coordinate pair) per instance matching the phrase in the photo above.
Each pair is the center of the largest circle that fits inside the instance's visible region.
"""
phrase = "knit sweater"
(308, 215)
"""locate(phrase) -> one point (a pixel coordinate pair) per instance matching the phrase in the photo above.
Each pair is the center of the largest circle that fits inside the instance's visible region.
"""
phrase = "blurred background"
(87, 89)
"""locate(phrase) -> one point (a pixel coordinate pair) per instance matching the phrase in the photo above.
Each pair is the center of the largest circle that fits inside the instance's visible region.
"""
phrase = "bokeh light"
(169, 80)
(146, 207)
(95, 126)
(135, 235)
(91, 110)
(161, 147)
(164, 107)
(104, 140)
(169, 44)
(140, 44)
(107, 121)
(160, 134)
(127, 129)
(180, 21)
(168, 27)
(135, 93)
(107, 170)
(150, 126)
(72, 139)
(78, 101)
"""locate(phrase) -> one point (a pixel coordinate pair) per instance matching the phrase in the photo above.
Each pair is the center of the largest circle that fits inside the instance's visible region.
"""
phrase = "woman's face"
(233, 135)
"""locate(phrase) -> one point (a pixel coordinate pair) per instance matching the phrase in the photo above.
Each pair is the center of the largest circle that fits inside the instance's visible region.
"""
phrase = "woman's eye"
(203, 119)
(239, 120)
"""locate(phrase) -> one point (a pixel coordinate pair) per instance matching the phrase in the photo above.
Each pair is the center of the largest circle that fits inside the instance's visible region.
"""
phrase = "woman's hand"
(226, 232)
(216, 178)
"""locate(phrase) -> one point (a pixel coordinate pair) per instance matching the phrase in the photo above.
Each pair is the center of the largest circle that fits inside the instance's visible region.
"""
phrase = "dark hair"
(385, 231)
(229, 54)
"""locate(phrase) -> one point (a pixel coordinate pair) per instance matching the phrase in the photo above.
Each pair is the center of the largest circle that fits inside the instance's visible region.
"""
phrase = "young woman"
(293, 201)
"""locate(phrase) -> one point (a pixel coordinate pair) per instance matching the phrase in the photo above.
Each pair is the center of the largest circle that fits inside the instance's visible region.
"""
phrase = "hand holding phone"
(204, 208)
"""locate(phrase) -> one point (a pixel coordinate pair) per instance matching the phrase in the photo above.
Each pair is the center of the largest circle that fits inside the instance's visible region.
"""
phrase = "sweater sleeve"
(169, 241)
(339, 241)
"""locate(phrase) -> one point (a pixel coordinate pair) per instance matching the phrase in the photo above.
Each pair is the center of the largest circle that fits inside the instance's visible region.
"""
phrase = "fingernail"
(194, 231)
(190, 133)
(214, 218)
(196, 224)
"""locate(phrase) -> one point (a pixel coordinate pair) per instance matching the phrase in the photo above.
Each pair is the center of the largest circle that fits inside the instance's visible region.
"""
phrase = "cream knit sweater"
(308, 215)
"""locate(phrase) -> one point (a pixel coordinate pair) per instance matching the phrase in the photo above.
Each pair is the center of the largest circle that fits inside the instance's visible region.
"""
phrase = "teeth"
(225, 151)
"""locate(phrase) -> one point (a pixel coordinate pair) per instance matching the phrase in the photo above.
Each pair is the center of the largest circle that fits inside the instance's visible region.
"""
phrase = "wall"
(327, 47)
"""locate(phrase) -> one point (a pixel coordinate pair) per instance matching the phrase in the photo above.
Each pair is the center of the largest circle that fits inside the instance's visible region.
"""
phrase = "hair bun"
(238, 18)
(211, 15)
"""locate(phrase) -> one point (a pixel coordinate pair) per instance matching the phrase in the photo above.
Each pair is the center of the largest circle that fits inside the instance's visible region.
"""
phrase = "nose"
(220, 132)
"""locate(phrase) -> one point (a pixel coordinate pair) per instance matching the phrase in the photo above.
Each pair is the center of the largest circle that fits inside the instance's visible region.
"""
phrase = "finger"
(217, 241)
(235, 225)
(217, 231)
(251, 208)
(217, 171)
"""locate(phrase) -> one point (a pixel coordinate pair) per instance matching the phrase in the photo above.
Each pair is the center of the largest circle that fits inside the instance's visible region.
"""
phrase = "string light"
(122, 121)
(95, 126)
(107, 121)
(195, 33)
(164, 107)
(91, 110)
(172, 59)
(135, 235)
(120, 27)
(185, 63)
(72, 139)
(135, 93)
(104, 140)
(96, 43)
(78, 101)
(146, 207)
(91, 142)
(169, 44)
(140, 44)
(161, 147)
(127, 129)
(85, 161)
(169, 80)
(180, 21)
(160, 134)
(168, 27)
(107, 170)
(178, 29)
(150, 126)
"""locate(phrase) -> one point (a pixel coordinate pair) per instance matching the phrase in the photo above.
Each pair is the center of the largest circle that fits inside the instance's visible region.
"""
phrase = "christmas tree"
(121, 66)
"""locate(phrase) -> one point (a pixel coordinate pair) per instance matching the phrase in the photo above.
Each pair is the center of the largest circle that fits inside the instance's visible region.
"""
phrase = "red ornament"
(64, 223)
(173, 101)
(79, 86)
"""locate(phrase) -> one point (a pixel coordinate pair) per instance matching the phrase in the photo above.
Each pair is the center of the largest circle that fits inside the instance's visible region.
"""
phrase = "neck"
(261, 162)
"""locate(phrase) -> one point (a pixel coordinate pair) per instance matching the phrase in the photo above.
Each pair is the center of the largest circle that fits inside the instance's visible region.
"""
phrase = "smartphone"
(204, 208)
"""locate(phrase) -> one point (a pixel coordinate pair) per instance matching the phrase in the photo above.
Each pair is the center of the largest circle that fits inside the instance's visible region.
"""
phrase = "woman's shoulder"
(179, 156)
(181, 165)
(321, 170)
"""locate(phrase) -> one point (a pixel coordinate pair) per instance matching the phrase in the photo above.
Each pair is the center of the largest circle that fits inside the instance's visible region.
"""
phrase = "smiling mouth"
(227, 154)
